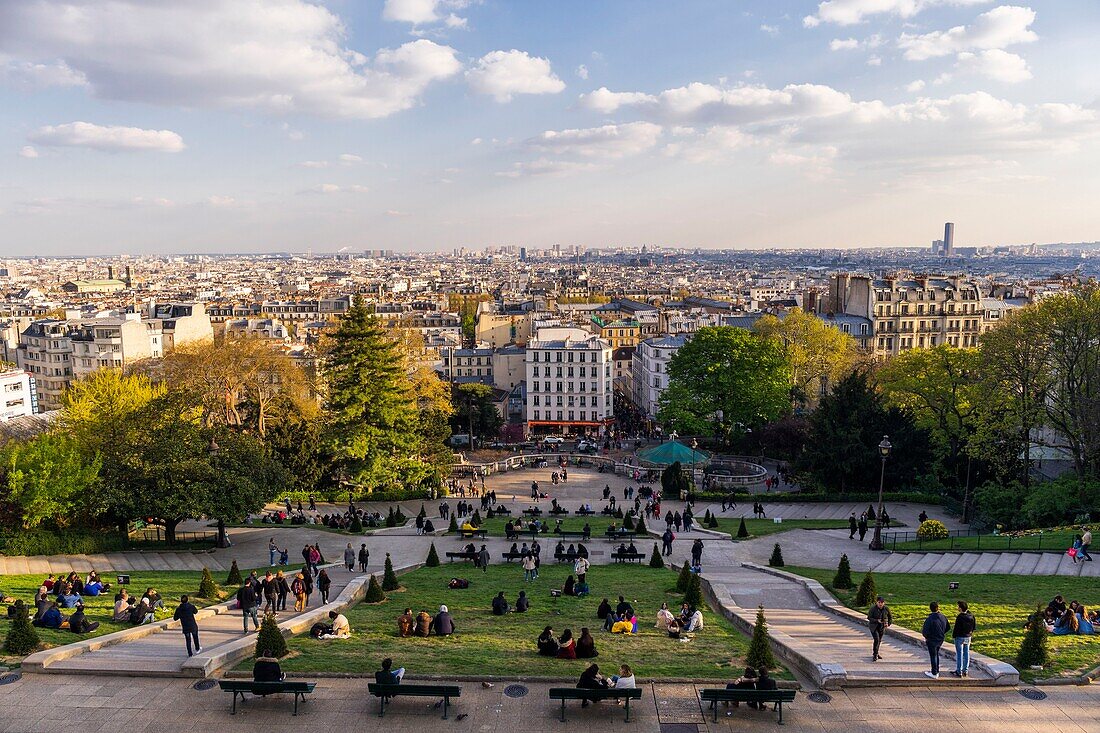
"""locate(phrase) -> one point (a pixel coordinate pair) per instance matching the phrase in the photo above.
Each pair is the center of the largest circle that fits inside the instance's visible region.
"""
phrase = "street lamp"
(884, 451)
(694, 445)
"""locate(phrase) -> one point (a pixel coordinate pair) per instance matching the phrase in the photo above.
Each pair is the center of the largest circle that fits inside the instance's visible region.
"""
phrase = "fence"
(974, 540)
(155, 533)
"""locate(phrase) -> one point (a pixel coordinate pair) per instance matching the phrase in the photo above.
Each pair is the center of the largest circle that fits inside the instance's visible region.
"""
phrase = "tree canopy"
(818, 353)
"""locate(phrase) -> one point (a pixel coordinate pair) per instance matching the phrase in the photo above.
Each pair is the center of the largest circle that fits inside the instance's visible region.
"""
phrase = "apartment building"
(509, 367)
(17, 395)
(619, 332)
(466, 365)
(649, 371)
(315, 309)
(45, 352)
(569, 382)
(911, 312)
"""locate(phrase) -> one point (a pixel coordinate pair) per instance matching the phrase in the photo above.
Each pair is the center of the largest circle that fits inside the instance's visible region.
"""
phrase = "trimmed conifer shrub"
(207, 588)
(234, 575)
(433, 558)
(640, 528)
(356, 526)
(683, 580)
(270, 638)
(713, 524)
(843, 578)
(22, 636)
(693, 596)
(422, 513)
(400, 516)
(1034, 650)
(742, 530)
(760, 649)
(628, 523)
(453, 526)
(391, 518)
(389, 578)
(374, 592)
(776, 560)
(867, 591)
(476, 519)
(655, 560)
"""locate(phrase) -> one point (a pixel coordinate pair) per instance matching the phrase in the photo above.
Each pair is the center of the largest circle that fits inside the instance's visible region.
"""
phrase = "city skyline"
(426, 125)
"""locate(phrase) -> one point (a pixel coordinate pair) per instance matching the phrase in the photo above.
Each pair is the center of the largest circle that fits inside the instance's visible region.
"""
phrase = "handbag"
(1072, 552)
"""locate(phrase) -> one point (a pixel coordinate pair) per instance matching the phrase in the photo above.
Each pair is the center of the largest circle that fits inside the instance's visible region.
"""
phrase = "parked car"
(587, 446)
(553, 440)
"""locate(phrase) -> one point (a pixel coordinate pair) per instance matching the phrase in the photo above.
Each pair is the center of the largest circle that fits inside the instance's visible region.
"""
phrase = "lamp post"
(221, 542)
(884, 451)
(694, 445)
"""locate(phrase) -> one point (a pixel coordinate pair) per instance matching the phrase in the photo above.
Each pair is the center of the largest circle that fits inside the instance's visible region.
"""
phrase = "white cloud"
(915, 86)
(995, 64)
(221, 202)
(417, 12)
(608, 141)
(453, 21)
(874, 61)
(771, 30)
(713, 144)
(502, 74)
(846, 44)
(28, 151)
(107, 138)
(314, 164)
(349, 159)
(30, 76)
(850, 12)
(1000, 27)
(330, 188)
(547, 167)
(605, 101)
(582, 71)
(278, 56)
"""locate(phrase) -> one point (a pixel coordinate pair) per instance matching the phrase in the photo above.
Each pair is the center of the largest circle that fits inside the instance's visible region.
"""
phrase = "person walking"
(580, 567)
(185, 614)
(323, 584)
(1086, 540)
(528, 567)
(697, 553)
(483, 559)
(879, 619)
(282, 588)
(269, 588)
(964, 630)
(935, 631)
(666, 540)
(862, 526)
(853, 527)
(349, 557)
(364, 557)
(247, 601)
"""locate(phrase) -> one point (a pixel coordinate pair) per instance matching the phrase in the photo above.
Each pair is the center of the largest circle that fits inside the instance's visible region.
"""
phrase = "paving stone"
(1005, 562)
(1026, 563)
(984, 563)
(1048, 564)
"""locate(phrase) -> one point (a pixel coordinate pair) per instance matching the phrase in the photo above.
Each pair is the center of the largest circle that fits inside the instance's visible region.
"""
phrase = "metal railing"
(155, 533)
(974, 540)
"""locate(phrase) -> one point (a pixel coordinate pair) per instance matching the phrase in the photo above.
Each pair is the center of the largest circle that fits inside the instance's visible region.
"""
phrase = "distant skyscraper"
(948, 239)
(937, 246)
(522, 254)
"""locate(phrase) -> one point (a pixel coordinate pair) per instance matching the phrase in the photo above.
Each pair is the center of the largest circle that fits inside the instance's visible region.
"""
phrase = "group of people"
(1080, 548)
(1063, 618)
(424, 624)
(935, 630)
(565, 646)
(689, 621)
(502, 608)
(57, 593)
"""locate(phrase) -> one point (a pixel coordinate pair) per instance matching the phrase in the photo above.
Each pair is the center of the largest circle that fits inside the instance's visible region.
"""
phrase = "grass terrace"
(599, 525)
(1000, 603)
(764, 527)
(1051, 541)
(494, 645)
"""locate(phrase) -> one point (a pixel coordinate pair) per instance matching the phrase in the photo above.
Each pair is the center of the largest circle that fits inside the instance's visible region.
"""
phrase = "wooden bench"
(385, 692)
(777, 697)
(575, 693)
(585, 513)
(533, 512)
(621, 534)
(627, 556)
(573, 533)
(465, 556)
(467, 534)
(510, 556)
(263, 689)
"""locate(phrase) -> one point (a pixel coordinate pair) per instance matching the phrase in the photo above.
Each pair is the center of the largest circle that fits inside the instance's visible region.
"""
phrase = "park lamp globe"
(884, 447)
(884, 451)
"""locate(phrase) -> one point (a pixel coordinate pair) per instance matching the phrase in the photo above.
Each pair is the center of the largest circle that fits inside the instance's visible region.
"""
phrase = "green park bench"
(263, 689)
(777, 697)
(576, 693)
(385, 692)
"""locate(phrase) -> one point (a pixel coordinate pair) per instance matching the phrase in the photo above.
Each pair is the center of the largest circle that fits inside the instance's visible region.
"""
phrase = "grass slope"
(492, 645)
(599, 525)
(1058, 541)
(764, 527)
(1000, 603)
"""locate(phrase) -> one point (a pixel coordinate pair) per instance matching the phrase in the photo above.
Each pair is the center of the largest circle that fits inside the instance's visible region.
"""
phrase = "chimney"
(129, 276)
(110, 272)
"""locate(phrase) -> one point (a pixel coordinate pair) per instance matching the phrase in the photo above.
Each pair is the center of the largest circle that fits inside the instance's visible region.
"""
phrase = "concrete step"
(1048, 564)
(1026, 564)
(1005, 562)
(926, 563)
(891, 562)
(984, 563)
(946, 563)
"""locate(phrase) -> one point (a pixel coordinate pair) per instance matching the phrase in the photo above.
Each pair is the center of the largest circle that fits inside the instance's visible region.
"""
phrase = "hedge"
(69, 542)
(788, 497)
(340, 496)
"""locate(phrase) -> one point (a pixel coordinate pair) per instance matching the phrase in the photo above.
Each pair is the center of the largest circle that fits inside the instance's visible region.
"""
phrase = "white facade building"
(569, 382)
(650, 371)
(17, 397)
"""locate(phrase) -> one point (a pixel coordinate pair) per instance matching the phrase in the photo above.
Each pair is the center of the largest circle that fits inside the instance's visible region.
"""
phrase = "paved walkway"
(140, 705)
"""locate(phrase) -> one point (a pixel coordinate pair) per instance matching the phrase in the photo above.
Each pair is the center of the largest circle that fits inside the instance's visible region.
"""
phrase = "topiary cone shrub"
(453, 526)
(433, 558)
(713, 523)
(1034, 650)
(628, 523)
(742, 530)
(932, 529)
(867, 591)
(270, 638)
(476, 519)
(374, 592)
(843, 578)
(22, 636)
(389, 578)
(356, 526)
(234, 575)
(683, 580)
(760, 649)
(776, 560)
(391, 518)
(207, 588)
(655, 560)
(694, 594)
(422, 513)
(640, 528)
(399, 516)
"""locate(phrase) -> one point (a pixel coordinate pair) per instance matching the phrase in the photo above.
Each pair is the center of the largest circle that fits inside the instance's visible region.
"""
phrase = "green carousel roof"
(672, 451)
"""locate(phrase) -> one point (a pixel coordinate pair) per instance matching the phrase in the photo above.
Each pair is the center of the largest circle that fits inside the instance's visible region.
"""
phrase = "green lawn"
(764, 527)
(1053, 541)
(491, 645)
(170, 584)
(599, 525)
(1000, 603)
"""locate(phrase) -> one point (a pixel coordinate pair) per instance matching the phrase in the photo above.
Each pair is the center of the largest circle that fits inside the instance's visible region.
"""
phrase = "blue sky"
(261, 125)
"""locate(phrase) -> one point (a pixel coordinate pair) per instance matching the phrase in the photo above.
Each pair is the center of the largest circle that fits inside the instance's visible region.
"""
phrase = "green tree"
(843, 578)
(49, 479)
(817, 351)
(389, 578)
(270, 640)
(22, 637)
(693, 596)
(207, 587)
(433, 558)
(245, 474)
(234, 577)
(1035, 648)
(655, 560)
(374, 592)
(742, 530)
(867, 591)
(475, 413)
(299, 445)
(760, 648)
(356, 526)
(673, 480)
(776, 560)
(724, 380)
(683, 580)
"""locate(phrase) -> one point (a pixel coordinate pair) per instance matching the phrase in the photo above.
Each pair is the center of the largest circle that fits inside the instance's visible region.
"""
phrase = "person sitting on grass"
(746, 681)
(267, 668)
(548, 645)
(443, 624)
(41, 602)
(567, 589)
(68, 597)
(423, 623)
(664, 617)
(49, 582)
(388, 675)
(694, 622)
(79, 623)
(142, 613)
(522, 604)
(1067, 624)
(586, 645)
(93, 586)
(622, 625)
(567, 646)
(500, 605)
(591, 679)
(674, 629)
(341, 628)
(1084, 620)
(603, 611)
(51, 619)
(406, 623)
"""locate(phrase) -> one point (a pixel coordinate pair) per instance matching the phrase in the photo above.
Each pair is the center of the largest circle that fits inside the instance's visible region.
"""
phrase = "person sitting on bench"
(267, 668)
(559, 549)
(631, 548)
(387, 675)
(79, 623)
(747, 681)
(591, 679)
(500, 605)
(548, 645)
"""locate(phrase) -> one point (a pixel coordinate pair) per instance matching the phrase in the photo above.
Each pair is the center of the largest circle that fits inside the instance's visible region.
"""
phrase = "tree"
(776, 560)
(433, 558)
(49, 479)
(452, 528)
(372, 426)
(475, 413)
(389, 578)
(1035, 648)
(270, 640)
(374, 592)
(724, 380)
(245, 473)
(673, 480)
(22, 637)
(683, 580)
(818, 352)
(867, 591)
(693, 596)
(742, 530)
(299, 445)
(207, 587)
(356, 526)
(639, 526)
(843, 578)
(760, 648)
(655, 560)
(234, 577)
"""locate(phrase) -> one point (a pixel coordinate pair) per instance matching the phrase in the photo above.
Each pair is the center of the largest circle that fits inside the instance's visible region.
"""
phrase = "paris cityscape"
(697, 367)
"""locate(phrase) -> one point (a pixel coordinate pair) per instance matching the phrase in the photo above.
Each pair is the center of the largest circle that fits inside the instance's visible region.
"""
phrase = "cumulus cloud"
(850, 12)
(30, 76)
(1000, 27)
(712, 144)
(110, 138)
(350, 159)
(845, 44)
(547, 167)
(28, 151)
(582, 71)
(502, 74)
(278, 56)
(608, 141)
(771, 30)
(330, 188)
(915, 86)
(995, 64)
(605, 101)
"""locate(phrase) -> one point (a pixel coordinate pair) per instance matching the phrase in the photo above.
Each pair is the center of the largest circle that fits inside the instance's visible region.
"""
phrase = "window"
(15, 403)
(536, 414)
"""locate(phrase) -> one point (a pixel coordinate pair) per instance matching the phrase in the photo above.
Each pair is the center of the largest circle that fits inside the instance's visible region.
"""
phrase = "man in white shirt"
(580, 568)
